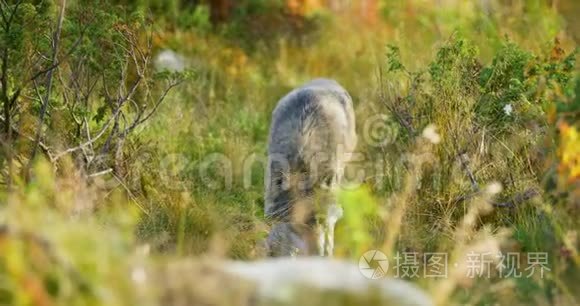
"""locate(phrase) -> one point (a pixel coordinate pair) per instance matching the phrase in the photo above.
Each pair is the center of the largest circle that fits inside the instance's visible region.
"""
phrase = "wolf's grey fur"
(311, 137)
(290, 239)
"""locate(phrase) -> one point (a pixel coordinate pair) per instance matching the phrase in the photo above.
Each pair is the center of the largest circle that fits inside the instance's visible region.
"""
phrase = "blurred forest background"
(129, 130)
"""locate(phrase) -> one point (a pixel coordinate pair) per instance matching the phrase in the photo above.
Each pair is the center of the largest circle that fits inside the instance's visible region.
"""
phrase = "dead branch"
(519, 198)
(465, 165)
(100, 173)
(88, 142)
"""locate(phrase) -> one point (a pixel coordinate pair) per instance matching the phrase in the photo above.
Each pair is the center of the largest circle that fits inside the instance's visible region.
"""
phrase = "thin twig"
(88, 142)
(465, 165)
(157, 104)
(100, 173)
(131, 195)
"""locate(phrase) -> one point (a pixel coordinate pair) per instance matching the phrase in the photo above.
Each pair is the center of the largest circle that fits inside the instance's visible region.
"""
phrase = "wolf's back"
(312, 131)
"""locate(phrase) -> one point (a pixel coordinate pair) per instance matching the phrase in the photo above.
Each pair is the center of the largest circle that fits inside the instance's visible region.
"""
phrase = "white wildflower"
(431, 134)
(508, 109)
(494, 188)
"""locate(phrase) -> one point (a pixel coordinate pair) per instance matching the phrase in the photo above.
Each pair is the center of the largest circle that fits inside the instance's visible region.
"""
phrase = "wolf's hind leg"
(321, 236)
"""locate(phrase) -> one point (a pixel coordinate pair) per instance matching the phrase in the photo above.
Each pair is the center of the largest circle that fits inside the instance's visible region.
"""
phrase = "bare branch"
(46, 100)
(88, 132)
(131, 195)
(90, 141)
(519, 198)
(160, 100)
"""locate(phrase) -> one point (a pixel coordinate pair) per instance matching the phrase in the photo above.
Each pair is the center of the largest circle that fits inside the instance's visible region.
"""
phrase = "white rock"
(275, 278)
